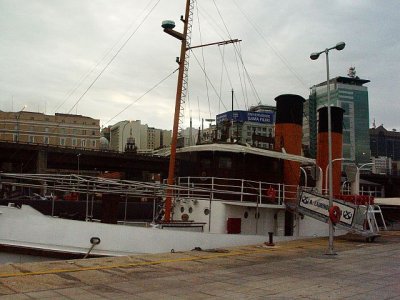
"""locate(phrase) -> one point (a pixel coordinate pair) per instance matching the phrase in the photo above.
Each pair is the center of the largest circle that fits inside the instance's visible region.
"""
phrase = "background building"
(385, 143)
(385, 149)
(382, 165)
(144, 138)
(252, 127)
(188, 137)
(349, 94)
(124, 130)
(65, 130)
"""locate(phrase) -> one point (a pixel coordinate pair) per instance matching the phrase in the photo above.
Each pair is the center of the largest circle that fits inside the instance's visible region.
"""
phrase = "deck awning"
(235, 148)
(387, 201)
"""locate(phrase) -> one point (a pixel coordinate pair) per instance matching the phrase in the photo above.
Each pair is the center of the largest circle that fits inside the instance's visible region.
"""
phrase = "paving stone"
(294, 270)
(43, 295)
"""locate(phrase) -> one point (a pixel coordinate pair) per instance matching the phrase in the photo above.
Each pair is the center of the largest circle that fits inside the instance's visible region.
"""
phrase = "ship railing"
(230, 189)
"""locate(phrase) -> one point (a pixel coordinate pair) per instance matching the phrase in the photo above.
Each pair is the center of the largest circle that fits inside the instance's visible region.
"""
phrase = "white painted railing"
(230, 189)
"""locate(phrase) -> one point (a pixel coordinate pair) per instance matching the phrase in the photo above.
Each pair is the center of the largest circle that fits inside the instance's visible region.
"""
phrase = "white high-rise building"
(145, 138)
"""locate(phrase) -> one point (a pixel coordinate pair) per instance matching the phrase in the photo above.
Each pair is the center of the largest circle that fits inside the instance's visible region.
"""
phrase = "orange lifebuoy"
(335, 214)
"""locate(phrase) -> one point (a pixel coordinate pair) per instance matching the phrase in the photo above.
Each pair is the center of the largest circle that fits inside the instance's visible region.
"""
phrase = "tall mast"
(181, 92)
(181, 89)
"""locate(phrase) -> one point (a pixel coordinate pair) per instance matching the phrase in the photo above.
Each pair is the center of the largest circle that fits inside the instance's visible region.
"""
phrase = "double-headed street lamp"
(314, 56)
(329, 165)
(355, 187)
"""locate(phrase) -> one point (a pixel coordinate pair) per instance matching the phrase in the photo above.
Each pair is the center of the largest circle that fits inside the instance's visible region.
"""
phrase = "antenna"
(352, 72)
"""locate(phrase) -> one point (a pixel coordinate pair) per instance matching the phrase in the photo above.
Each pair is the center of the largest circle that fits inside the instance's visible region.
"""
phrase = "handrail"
(238, 189)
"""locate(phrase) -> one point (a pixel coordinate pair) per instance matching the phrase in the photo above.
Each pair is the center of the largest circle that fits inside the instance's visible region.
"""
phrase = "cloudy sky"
(102, 58)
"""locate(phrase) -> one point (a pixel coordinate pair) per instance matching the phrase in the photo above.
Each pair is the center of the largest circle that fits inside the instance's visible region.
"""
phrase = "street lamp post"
(314, 56)
(122, 136)
(78, 156)
(18, 117)
(328, 167)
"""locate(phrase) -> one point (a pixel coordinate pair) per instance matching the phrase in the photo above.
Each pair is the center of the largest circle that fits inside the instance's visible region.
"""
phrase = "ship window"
(246, 214)
(207, 211)
(190, 210)
(182, 209)
(225, 163)
(205, 163)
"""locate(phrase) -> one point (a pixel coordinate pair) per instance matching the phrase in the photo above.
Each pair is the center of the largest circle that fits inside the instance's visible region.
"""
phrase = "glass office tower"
(349, 94)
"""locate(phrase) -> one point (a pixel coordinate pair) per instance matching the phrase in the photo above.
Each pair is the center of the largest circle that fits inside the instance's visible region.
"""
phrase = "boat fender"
(335, 214)
(95, 240)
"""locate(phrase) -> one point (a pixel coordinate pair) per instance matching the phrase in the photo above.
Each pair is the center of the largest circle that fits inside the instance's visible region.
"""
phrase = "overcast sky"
(51, 52)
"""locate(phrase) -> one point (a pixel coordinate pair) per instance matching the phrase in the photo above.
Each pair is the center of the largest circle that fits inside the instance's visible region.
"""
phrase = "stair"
(356, 219)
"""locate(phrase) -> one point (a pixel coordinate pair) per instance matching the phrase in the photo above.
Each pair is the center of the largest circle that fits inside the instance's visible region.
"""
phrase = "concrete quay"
(290, 270)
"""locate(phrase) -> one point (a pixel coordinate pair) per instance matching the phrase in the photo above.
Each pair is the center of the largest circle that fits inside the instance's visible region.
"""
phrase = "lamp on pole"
(78, 156)
(356, 189)
(339, 46)
(18, 117)
(328, 169)
(122, 136)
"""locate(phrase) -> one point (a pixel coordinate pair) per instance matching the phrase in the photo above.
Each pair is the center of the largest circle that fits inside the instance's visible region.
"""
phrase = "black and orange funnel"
(288, 136)
(322, 145)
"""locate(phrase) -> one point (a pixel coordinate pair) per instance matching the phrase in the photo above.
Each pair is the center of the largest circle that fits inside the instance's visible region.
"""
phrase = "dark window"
(225, 163)
(205, 163)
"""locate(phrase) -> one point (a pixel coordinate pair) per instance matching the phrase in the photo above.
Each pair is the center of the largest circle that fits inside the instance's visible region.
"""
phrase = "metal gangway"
(356, 219)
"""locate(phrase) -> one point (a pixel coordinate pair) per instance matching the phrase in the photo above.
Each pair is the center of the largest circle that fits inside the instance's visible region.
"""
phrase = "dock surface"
(289, 270)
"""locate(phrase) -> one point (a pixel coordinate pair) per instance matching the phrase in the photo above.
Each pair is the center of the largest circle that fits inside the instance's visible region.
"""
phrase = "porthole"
(182, 209)
(190, 210)
(207, 211)
(246, 214)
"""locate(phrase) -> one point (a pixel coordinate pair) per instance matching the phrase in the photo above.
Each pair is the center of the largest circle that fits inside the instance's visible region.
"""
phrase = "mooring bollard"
(271, 239)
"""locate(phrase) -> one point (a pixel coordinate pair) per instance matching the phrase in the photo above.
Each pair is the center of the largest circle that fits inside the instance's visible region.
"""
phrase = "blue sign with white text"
(246, 116)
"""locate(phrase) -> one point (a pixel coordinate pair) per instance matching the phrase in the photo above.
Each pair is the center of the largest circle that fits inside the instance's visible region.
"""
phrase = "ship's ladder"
(372, 211)
(357, 219)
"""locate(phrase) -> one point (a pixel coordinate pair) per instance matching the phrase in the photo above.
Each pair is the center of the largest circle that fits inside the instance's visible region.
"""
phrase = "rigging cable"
(241, 58)
(148, 91)
(115, 55)
(204, 62)
(210, 82)
(246, 97)
(94, 67)
(222, 37)
(276, 52)
(222, 74)
(240, 80)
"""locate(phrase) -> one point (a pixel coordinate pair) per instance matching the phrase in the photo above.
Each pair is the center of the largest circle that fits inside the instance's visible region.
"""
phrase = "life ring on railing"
(271, 194)
(335, 214)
